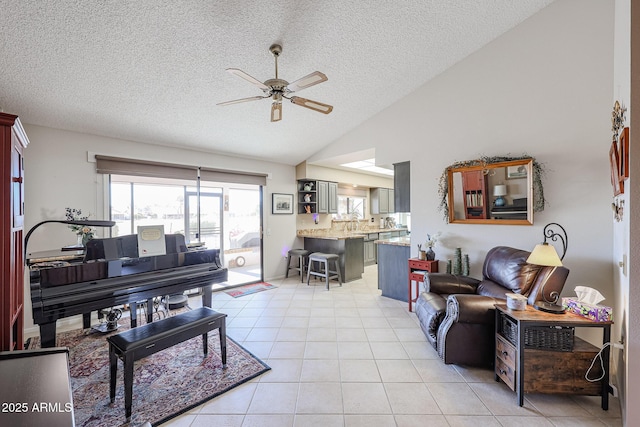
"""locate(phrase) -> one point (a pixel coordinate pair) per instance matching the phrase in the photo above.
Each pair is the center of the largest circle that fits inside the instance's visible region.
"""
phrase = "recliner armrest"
(472, 308)
(445, 283)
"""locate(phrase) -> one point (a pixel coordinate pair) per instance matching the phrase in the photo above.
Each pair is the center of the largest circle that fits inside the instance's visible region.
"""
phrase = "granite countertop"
(331, 234)
(395, 241)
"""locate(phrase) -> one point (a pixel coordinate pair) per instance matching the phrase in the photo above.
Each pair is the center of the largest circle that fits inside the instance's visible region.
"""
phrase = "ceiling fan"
(277, 89)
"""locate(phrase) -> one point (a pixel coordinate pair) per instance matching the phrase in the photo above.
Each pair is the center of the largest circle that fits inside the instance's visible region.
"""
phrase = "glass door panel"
(209, 230)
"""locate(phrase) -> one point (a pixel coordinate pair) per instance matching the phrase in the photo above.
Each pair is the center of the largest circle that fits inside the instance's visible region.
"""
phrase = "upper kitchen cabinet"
(317, 197)
(382, 201)
(333, 197)
(402, 186)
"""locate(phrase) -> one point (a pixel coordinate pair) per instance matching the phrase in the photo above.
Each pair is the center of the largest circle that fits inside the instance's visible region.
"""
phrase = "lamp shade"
(544, 254)
(500, 190)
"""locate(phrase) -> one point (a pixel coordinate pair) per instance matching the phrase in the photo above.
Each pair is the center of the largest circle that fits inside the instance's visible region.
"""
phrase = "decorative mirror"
(492, 192)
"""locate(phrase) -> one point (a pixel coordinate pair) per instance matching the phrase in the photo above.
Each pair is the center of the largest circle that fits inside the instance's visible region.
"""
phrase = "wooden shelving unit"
(13, 140)
(475, 191)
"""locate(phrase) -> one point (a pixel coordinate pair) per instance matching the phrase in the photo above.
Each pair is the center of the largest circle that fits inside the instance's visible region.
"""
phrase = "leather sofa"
(457, 313)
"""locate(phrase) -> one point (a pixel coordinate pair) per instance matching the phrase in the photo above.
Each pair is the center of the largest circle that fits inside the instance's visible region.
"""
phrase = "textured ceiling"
(153, 71)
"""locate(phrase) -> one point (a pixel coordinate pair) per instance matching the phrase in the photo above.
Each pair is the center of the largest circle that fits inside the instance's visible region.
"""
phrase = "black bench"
(145, 340)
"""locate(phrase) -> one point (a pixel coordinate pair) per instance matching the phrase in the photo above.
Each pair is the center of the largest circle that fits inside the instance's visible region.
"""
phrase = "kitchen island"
(348, 247)
(393, 275)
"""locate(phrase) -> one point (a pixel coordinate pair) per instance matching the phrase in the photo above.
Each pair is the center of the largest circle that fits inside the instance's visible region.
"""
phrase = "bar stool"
(324, 271)
(301, 254)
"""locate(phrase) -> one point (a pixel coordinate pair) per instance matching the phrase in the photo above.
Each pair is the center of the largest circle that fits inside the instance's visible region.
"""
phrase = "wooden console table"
(530, 368)
(417, 269)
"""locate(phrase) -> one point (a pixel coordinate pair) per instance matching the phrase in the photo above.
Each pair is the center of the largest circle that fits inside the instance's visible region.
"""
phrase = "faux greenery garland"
(539, 171)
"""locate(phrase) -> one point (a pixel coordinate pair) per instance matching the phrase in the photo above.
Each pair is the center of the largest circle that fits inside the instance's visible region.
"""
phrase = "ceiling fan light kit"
(277, 89)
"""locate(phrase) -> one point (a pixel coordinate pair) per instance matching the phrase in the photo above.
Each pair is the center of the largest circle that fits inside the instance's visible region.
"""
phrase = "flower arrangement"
(432, 239)
(84, 232)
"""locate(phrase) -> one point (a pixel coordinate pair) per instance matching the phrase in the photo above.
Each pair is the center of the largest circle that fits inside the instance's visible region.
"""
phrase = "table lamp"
(546, 255)
(499, 191)
(87, 222)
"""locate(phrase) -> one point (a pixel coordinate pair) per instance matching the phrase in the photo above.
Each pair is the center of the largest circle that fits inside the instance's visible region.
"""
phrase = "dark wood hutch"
(13, 141)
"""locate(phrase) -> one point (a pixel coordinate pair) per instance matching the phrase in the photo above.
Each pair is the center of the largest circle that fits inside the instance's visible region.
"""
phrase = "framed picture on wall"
(616, 181)
(281, 203)
(515, 172)
(623, 158)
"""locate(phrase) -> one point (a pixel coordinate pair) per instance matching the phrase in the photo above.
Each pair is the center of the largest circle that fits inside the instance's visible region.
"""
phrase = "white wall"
(58, 174)
(626, 237)
(544, 89)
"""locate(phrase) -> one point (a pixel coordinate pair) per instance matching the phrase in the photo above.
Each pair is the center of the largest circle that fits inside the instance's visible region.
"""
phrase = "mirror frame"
(528, 162)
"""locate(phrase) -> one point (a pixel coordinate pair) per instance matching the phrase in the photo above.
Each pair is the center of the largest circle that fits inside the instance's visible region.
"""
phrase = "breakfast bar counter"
(350, 251)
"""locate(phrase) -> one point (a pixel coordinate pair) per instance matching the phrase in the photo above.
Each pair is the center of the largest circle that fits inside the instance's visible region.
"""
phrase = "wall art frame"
(281, 204)
(614, 163)
(623, 157)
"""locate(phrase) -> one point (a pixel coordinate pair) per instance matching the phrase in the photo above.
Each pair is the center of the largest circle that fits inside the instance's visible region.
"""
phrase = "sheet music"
(151, 240)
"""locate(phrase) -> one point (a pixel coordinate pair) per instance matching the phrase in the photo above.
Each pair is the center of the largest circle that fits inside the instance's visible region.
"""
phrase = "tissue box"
(597, 312)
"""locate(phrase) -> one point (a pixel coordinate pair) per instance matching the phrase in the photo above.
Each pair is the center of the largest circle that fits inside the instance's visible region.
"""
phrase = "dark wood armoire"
(13, 141)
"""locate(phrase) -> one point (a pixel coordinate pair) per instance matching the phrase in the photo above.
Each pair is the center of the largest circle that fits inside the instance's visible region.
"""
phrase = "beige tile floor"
(350, 357)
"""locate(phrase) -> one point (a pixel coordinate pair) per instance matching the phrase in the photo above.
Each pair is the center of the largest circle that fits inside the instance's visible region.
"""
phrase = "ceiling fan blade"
(237, 101)
(307, 81)
(276, 111)
(247, 77)
(312, 105)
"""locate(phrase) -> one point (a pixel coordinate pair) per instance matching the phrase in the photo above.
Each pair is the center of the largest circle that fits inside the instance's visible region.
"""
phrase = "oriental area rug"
(166, 384)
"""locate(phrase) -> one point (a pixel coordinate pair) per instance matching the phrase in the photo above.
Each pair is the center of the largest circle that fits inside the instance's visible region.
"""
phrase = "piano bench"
(145, 340)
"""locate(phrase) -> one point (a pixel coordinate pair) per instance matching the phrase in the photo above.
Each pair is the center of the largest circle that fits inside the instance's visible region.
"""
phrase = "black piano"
(112, 274)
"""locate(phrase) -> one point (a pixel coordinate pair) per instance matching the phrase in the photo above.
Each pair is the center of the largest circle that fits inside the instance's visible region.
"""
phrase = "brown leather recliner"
(457, 313)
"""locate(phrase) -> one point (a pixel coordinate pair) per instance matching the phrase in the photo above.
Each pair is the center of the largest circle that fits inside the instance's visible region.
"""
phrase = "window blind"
(135, 167)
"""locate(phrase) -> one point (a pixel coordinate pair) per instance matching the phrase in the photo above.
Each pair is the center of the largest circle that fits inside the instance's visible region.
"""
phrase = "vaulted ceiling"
(154, 71)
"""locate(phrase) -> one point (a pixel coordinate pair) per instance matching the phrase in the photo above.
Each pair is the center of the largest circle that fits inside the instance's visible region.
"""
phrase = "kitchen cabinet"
(370, 253)
(402, 187)
(350, 253)
(382, 201)
(317, 197)
(323, 197)
(333, 197)
(307, 196)
(393, 274)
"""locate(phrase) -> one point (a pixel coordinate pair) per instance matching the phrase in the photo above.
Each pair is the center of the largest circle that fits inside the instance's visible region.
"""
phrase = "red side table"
(417, 269)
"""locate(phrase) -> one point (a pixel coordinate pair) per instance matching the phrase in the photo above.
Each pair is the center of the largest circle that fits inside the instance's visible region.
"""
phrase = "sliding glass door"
(216, 215)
